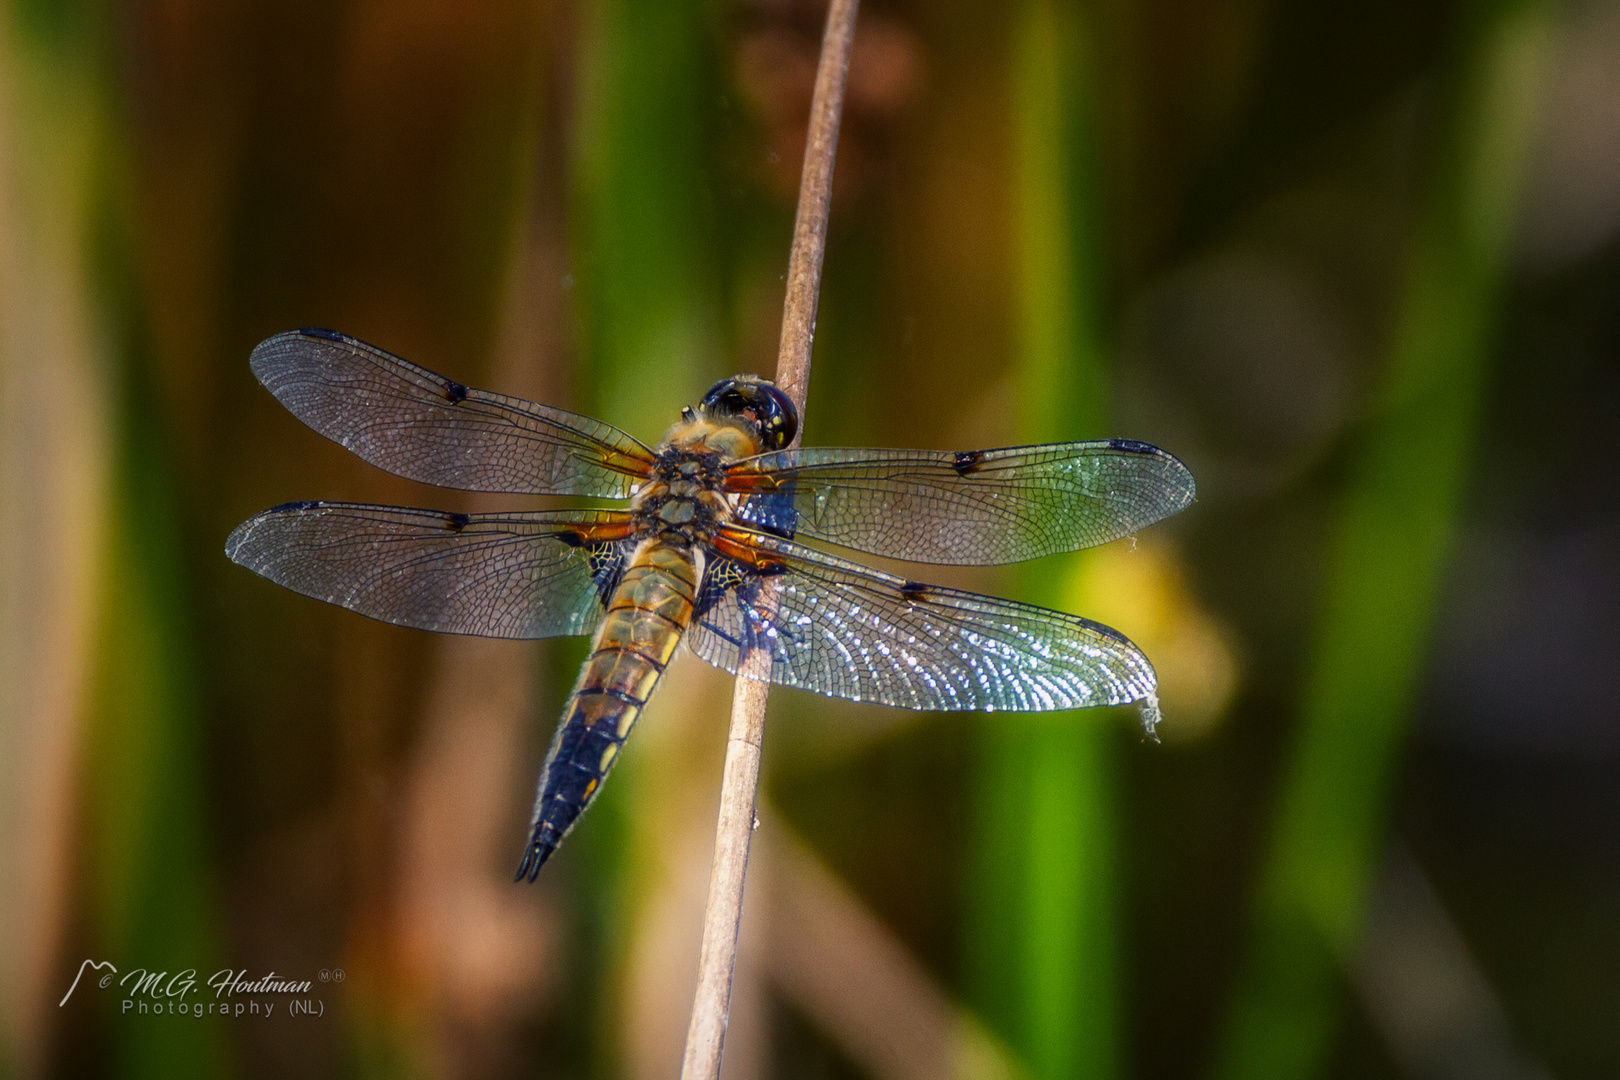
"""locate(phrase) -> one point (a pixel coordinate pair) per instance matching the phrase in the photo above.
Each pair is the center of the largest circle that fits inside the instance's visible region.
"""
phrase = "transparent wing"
(526, 575)
(846, 631)
(426, 427)
(978, 507)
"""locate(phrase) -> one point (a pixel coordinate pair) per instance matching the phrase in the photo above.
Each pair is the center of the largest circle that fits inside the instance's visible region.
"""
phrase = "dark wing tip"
(233, 542)
(268, 358)
(1186, 486)
(1103, 630)
(272, 356)
(290, 507)
(238, 540)
(1189, 490)
(1176, 471)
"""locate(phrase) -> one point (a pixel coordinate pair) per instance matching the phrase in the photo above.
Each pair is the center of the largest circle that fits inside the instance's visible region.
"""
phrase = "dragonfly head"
(756, 404)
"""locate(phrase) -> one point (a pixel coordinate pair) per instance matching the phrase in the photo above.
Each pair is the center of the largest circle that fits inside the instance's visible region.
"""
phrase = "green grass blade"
(645, 267)
(142, 882)
(643, 212)
(1386, 562)
(147, 853)
(1042, 955)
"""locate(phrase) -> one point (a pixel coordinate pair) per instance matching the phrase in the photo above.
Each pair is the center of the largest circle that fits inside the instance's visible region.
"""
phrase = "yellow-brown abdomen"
(646, 615)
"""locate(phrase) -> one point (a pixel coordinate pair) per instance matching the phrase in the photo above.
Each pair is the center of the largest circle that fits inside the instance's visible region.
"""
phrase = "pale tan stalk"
(739, 791)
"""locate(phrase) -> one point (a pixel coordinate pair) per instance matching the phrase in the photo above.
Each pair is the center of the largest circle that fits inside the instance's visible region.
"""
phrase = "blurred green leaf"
(645, 254)
(647, 285)
(147, 852)
(144, 866)
(1043, 958)
(1394, 531)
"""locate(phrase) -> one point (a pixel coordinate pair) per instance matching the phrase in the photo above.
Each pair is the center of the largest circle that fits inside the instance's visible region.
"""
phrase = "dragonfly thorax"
(683, 501)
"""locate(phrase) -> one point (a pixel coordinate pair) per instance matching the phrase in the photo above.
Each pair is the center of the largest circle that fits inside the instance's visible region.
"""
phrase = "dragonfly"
(710, 551)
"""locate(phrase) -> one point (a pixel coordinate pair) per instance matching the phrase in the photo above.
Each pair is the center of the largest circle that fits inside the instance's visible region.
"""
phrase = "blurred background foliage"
(1356, 264)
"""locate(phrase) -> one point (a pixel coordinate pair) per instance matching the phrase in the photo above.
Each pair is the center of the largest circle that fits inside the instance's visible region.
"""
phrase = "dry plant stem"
(815, 195)
(739, 791)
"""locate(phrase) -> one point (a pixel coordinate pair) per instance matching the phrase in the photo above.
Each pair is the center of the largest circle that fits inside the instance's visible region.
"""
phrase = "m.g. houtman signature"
(147, 991)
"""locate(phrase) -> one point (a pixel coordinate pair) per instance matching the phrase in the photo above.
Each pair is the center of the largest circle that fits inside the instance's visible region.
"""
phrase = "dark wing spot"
(302, 504)
(456, 522)
(1131, 446)
(913, 591)
(607, 568)
(572, 539)
(454, 392)
(1107, 631)
(723, 575)
(317, 332)
(968, 462)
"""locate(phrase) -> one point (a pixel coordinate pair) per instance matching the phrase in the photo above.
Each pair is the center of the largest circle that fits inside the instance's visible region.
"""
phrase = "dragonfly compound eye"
(759, 403)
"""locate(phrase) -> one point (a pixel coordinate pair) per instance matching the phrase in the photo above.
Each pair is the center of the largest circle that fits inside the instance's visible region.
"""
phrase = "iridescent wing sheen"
(423, 426)
(521, 575)
(978, 507)
(841, 629)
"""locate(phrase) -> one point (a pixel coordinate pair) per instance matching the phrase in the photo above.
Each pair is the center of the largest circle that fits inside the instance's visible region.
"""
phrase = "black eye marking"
(968, 462)
(913, 591)
(454, 392)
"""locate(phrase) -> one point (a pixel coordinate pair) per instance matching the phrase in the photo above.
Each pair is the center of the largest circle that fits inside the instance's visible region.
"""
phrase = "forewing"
(979, 507)
(526, 575)
(841, 629)
(423, 426)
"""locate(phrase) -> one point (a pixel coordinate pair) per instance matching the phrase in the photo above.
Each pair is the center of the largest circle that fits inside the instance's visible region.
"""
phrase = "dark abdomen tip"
(541, 845)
